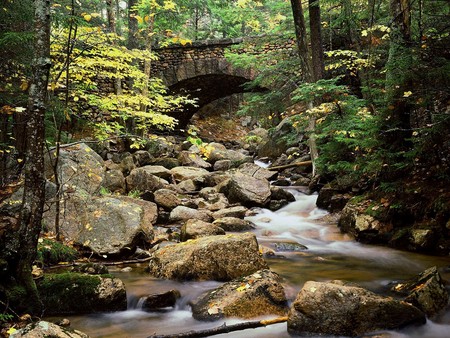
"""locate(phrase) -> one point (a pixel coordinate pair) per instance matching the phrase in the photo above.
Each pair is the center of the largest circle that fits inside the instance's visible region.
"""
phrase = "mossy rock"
(73, 293)
(50, 252)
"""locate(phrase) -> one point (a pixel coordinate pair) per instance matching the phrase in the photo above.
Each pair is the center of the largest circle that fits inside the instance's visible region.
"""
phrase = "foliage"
(51, 252)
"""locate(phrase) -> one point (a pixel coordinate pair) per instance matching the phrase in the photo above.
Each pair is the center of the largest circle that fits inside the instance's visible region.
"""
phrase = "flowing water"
(330, 255)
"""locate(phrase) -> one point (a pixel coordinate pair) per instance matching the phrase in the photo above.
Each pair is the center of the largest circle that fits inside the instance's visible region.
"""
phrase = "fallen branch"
(291, 165)
(224, 329)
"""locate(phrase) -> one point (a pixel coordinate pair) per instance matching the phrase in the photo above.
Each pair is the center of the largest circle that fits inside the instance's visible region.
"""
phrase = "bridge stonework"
(201, 70)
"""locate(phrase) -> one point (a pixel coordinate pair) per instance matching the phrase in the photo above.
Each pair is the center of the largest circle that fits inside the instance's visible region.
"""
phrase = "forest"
(355, 107)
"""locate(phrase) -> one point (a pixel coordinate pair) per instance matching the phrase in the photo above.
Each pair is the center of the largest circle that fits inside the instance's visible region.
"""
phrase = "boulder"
(183, 214)
(254, 170)
(75, 293)
(234, 224)
(141, 179)
(104, 225)
(195, 229)
(237, 211)
(221, 258)
(160, 301)
(114, 181)
(186, 173)
(187, 186)
(43, 329)
(158, 171)
(280, 194)
(142, 158)
(168, 199)
(127, 164)
(426, 292)
(166, 162)
(259, 294)
(191, 159)
(78, 166)
(335, 309)
(247, 190)
(222, 165)
(212, 200)
(217, 152)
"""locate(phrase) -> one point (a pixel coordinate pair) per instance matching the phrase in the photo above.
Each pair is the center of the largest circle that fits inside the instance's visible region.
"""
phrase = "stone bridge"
(201, 70)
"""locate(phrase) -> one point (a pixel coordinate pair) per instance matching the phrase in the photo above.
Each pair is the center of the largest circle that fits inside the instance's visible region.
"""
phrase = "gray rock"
(183, 214)
(142, 158)
(334, 309)
(160, 300)
(237, 211)
(213, 201)
(191, 159)
(278, 193)
(195, 229)
(127, 164)
(427, 292)
(143, 180)
(234, 224)
(254, 170)
(186, 173)
(259, 294)
(168, 199)
(158, 171)
(114, 181)
(43, 329)
(221, 258)
(222, 165)
(247, 190)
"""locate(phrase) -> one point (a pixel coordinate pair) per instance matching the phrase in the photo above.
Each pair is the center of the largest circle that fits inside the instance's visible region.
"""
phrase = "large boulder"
(43, 329)
(183, 214)
(166, 198)
(186, 173)
(158, 171)
(426, 292)
(142, 179)
(217, 152)
(191, 159)
(334, 309)
(78, 166)
(236, 211)
(104, 225)
(259, 294)
(234, 224)
(114, 181)
(195, 229)
(222, 258)
(160, 301)
(247, 190)
(75, 293)
(254, 170)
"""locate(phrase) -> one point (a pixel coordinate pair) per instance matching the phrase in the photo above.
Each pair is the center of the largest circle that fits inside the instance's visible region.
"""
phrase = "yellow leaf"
(76, 98)
(24, 85)
(19, 160)
(407, 94)
(11, 330)
(139, 19)
(87, 17)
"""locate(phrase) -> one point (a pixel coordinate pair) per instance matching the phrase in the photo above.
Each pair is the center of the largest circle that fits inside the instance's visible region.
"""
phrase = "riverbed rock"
(191, 159)
(254, 170)
(280, 194)
(427, 292)
(236, 211)
(217, 152)
(158, 171)
(114, 181)
(195, 229)
(258, 294)
(75, 293)
(234, 224)
(43, 329)
(104, 225)
(142, 158)
(183, 214)
(142, 179)
(186, 173)
(335, 309)
(222, 258)
(212, 200)
(78, 166)
(247, 190)
(160, 301)
(166, 198)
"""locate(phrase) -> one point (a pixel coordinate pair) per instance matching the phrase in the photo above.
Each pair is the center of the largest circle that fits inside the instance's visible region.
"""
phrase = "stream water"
(330, 255)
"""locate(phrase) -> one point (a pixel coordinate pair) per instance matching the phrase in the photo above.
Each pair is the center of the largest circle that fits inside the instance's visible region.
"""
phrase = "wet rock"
(423, 239)
(289, 246)
(75, 293)
(254, 170)
(160, 301)
(195, 229)
(258, 294)
(221, 258)
(234, 224)
(219, 152)
(114, 181)
(282, 182)
(183, 214)
(91, 269)
(332, 199)
(78, 166)
(44, 329)
(247, 190)
(340, 310)
(191, 159)
(186, 173)
(275, 205)
(236, 211)
(166, 198)
(142, 179)
(279, 194)
(427, 292)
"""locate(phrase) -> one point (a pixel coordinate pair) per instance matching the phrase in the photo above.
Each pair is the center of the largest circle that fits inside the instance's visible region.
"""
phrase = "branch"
(291, 165)
(224, 329)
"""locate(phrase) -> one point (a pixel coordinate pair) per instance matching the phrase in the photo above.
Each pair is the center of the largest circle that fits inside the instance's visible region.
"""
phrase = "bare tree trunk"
(301, 38)
(26, 238)
(110, 9)
(132, 42)
(316, 40)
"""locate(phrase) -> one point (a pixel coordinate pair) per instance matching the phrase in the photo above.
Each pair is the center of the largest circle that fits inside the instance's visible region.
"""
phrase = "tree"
(19, 251)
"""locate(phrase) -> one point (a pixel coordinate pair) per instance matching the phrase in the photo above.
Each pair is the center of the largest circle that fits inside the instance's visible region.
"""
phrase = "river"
(330, 255)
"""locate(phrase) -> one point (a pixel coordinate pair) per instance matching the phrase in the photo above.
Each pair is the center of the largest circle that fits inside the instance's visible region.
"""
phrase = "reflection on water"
(330, 255)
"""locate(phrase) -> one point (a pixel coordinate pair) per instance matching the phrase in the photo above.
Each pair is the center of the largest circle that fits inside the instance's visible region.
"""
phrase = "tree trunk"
(23, 243)
(398, 80)
(316, 40)
(110, 9)
(132, 42)
(301, 38)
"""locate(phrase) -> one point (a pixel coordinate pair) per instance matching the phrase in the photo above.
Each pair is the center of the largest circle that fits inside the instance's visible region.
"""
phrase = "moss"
(51, 252)
(68, 292)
